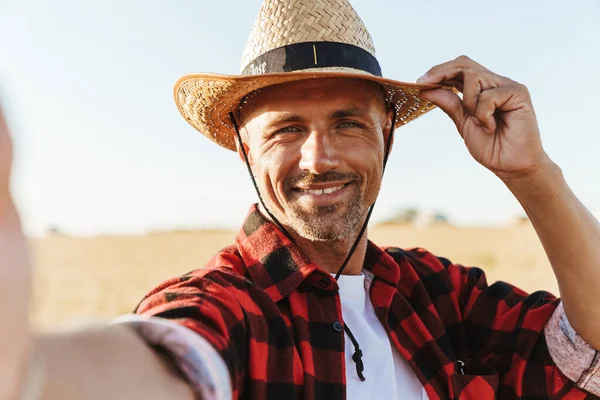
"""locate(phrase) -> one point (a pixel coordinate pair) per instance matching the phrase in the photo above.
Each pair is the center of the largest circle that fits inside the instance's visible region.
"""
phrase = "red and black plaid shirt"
(274, 318)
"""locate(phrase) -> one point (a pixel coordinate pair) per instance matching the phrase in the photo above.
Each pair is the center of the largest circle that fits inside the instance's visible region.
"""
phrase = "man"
(303, 305)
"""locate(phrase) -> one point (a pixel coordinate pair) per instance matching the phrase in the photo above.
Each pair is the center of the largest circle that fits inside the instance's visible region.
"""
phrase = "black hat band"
(301, 56)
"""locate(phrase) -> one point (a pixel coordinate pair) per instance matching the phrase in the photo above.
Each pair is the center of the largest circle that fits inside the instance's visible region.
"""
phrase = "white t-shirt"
(387, 373)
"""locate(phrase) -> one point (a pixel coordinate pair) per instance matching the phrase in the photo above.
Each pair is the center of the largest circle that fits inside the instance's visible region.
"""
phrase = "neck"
(330, 256)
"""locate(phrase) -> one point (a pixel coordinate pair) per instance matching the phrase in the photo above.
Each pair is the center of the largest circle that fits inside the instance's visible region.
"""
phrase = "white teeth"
(322, 191)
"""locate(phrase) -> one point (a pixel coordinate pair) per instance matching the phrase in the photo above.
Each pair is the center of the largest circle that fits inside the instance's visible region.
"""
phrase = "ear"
(387, 127)
(246, 149)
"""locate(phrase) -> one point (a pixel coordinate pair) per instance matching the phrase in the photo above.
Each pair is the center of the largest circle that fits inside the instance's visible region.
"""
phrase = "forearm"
(570, 235)
(108, 362)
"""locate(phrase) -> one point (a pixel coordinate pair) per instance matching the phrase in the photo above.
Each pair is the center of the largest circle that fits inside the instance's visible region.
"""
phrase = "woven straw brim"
(205, 100)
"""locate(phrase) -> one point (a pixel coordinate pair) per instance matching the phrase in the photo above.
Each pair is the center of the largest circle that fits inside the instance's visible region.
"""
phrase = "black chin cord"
(239, 138)
(364, 226)
(357, 356)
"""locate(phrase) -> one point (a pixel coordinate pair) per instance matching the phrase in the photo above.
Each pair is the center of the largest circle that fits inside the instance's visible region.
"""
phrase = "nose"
(319, 153)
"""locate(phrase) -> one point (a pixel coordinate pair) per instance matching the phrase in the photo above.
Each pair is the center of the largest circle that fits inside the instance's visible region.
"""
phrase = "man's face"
(316, 150)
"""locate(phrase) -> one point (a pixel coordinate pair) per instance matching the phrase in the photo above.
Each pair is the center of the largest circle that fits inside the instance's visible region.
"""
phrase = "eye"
(349, 124)
(288, 129)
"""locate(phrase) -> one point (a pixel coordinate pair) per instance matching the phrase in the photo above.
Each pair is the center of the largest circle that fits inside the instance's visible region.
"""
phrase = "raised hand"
(14, 281)
(495, 116)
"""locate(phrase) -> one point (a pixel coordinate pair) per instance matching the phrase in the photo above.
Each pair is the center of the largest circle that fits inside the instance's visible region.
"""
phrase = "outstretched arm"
(496, 120)
(103, 362)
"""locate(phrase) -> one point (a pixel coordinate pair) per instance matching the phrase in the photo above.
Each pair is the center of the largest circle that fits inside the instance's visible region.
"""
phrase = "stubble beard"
(327, 223)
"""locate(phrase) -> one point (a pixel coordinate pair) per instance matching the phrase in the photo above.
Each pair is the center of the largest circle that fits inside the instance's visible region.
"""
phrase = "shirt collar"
(278, 266)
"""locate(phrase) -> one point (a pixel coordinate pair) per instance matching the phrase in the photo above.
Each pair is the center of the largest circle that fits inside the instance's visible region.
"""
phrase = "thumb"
(5, 159)
(449, 102)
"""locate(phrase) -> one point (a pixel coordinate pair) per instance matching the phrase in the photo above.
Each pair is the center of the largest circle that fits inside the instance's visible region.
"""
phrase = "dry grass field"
(98, 278)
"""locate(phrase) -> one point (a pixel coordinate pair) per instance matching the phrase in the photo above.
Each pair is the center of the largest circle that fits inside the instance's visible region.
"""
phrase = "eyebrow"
(342, 113)
(283, 119)
(286, 118)
(348, 112)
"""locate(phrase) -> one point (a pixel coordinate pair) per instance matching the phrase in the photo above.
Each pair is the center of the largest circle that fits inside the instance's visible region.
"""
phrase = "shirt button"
(337, 326)
(324, 283)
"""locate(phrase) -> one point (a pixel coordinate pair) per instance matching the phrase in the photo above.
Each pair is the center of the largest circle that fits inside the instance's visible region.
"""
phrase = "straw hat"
(292, 40)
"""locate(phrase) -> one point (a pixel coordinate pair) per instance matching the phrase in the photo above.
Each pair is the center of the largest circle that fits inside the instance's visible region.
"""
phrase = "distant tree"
(406, 216)
(522, 219)
(440, 218)
(414, 216)
(54, 231)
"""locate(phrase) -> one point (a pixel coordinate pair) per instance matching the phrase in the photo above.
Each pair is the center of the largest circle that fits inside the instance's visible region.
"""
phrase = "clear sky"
(101, 147)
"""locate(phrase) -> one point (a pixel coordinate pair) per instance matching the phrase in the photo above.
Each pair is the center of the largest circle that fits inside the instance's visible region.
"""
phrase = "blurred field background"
(101, 148)
(102, 277)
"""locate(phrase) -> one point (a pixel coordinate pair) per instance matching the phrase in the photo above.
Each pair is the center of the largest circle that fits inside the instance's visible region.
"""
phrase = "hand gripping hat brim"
(293, 40)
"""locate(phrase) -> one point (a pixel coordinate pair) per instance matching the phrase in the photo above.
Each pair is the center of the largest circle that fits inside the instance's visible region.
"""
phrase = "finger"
(468, 76)
(449, 71)
(503, 99)
(472, 88)
(449, 102)
(5, 156)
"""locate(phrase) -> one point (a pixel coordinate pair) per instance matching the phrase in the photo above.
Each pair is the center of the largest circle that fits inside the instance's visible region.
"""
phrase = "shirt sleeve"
(504, 327)
(573, 356)
(208, 303)
(195, 358)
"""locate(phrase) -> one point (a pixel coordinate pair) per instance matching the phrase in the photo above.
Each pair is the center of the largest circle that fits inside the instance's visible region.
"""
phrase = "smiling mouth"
(323, 191)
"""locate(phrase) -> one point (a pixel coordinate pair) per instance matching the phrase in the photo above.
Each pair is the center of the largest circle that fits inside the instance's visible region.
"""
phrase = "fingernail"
(421, 79)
